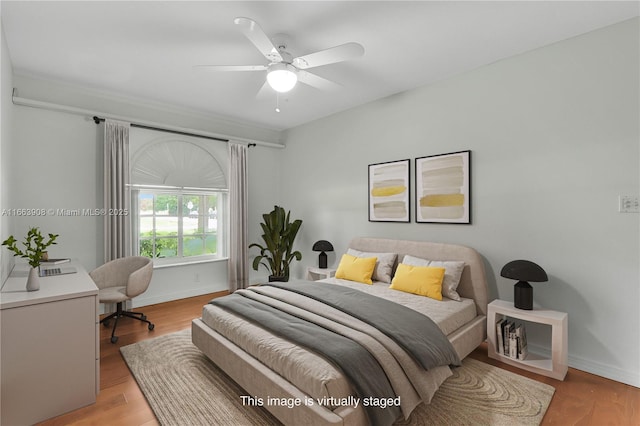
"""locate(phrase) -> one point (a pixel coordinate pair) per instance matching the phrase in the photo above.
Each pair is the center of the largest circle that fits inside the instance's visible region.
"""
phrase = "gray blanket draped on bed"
(415, 333)
(418, 335)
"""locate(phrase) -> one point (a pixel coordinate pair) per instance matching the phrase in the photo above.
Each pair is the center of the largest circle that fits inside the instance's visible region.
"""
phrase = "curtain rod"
(79, 111)
(98, 120)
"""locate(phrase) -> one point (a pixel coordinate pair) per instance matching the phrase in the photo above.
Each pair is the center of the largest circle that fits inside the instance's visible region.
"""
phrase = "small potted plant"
(35, 248)
(277, 252)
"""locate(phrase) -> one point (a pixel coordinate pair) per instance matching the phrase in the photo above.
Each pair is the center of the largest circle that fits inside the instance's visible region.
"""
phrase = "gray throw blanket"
(405, 326)
(415, 333)
(354, 361)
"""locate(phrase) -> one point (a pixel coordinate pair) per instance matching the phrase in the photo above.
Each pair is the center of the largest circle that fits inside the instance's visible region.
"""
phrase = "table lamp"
(322, 246)
(523, 271)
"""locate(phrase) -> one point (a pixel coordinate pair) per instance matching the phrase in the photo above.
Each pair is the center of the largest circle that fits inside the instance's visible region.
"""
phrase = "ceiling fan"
(283, 70)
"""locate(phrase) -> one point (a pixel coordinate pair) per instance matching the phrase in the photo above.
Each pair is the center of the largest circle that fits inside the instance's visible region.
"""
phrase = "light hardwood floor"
(581, 399)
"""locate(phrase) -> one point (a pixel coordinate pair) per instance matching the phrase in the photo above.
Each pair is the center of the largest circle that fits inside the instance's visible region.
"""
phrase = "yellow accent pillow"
(358, 269)
(422, 280)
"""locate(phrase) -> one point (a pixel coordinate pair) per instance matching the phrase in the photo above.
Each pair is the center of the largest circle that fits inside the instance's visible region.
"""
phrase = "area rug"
(183, 387)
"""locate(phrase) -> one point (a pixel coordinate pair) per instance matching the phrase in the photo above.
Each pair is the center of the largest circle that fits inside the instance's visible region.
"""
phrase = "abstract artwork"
(389, 191)
(443, 188)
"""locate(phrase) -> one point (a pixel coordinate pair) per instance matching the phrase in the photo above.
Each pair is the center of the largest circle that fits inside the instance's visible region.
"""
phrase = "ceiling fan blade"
(264, 91)
(254, 33)
(230, 67)
(329, 56)
(316, 81)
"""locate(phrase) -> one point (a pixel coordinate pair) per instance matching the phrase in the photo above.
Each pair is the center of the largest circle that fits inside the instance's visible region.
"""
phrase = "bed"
(271, 368)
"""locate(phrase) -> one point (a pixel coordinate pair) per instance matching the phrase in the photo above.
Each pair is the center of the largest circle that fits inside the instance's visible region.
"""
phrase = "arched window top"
(177, 163)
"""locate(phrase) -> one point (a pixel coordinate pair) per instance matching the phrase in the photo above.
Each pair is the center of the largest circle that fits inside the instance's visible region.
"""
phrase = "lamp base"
(322, 260)
(523, 295)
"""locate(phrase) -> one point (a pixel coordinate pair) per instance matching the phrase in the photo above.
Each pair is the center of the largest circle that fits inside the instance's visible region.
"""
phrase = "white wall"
(6, 126)
(554, 140)
(57, 165)
(265, 172)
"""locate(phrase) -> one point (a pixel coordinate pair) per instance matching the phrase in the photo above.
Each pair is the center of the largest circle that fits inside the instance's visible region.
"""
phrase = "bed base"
(249, 373)
(469, 336)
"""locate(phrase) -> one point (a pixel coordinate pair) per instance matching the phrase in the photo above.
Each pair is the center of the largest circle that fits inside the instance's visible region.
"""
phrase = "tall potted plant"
(277, 253)
(35, 247)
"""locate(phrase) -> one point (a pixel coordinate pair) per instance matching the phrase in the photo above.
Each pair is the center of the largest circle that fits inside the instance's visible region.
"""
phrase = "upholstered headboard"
(473, 284)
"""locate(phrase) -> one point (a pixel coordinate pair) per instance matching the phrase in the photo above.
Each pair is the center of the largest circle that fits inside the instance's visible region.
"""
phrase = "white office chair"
(121, 280)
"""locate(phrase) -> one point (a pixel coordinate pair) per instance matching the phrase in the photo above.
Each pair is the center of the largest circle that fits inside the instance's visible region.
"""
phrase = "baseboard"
(145, 301)
(594, 367)
(607, 371)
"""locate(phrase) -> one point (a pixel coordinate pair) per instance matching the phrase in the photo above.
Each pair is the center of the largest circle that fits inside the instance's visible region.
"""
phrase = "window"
(175, 224)
(179, 197)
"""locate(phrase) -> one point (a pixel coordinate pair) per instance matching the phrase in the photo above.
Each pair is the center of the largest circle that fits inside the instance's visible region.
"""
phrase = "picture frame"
(443, 188)
(390, 191)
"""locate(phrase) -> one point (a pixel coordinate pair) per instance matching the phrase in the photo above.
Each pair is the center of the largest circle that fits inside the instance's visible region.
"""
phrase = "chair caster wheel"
(114, 339)
(144, 317)
(106, 323)
(151, 326)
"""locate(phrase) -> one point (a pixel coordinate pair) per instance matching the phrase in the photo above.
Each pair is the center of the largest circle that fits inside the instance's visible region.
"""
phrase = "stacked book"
(511, 339)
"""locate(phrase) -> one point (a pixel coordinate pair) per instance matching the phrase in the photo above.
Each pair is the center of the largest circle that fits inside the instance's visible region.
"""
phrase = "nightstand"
(557, 365)
(314, 273)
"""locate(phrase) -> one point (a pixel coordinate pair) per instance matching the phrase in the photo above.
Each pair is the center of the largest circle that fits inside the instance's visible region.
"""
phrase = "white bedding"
(449, 314)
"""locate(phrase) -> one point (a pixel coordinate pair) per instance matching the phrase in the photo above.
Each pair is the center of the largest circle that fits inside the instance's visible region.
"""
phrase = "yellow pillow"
(422, 280)
(358, 269)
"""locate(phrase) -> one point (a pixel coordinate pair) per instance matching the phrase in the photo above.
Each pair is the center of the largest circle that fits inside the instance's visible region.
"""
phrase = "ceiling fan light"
(282, 77)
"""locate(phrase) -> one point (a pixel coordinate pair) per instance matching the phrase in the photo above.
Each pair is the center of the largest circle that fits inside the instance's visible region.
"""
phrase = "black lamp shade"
(322, 246)
(523, 271)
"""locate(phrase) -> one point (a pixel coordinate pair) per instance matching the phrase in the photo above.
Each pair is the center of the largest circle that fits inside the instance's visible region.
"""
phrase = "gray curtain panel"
(117, 224)
(238, 207)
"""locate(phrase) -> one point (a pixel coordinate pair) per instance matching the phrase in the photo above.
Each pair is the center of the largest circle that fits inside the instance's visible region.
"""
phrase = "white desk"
(50, 349)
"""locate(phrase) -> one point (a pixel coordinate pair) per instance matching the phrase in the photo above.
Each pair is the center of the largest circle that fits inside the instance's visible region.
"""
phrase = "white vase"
(33, 282)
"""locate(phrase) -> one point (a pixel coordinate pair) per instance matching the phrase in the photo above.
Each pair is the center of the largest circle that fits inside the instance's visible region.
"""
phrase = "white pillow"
(452, 273)
(384, 265)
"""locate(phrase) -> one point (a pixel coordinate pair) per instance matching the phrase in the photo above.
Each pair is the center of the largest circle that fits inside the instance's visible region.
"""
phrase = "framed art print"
(389, 191)
(443, 188)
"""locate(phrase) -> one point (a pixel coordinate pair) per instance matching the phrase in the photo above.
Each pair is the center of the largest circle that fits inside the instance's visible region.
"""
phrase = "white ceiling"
(146, 49)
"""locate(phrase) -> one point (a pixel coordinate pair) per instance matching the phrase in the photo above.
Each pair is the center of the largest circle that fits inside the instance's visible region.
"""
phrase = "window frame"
(180, 193)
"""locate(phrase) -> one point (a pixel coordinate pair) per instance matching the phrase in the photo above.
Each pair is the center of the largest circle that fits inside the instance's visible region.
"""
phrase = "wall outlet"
(628, 204)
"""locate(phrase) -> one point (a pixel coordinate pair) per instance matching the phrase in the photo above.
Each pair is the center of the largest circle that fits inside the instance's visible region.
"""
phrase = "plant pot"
(274, 278)
(33, 281)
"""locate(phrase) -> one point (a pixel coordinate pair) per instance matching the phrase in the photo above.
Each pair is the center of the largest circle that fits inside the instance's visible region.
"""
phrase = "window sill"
(171, 264)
